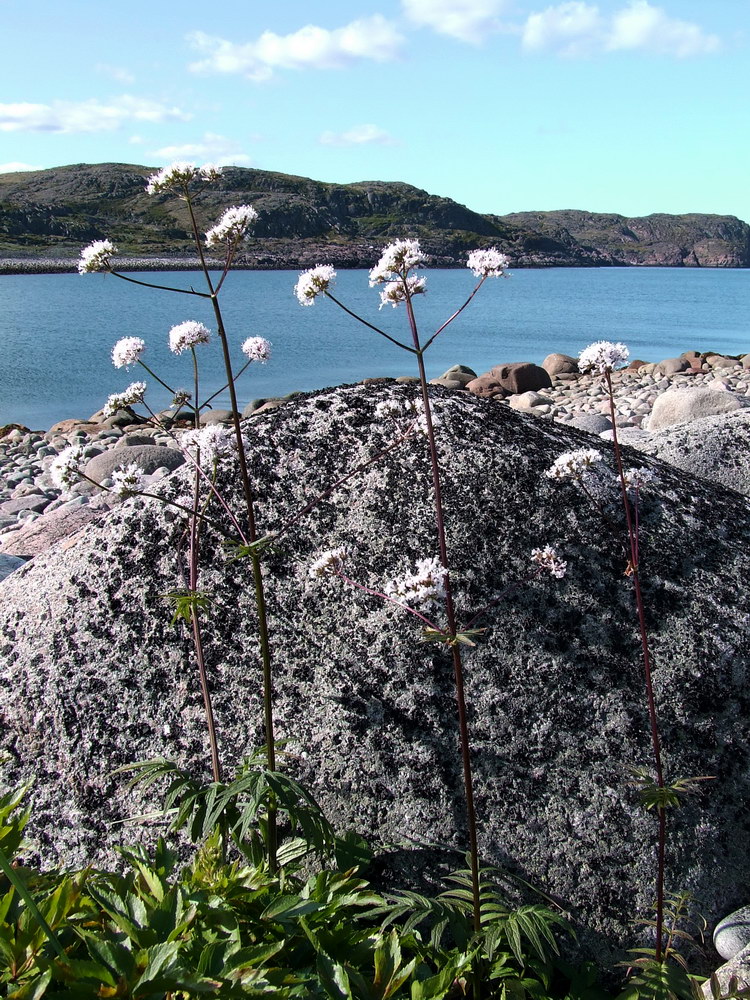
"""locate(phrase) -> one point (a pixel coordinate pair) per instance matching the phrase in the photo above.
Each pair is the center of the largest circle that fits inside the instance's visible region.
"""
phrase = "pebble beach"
(27, 492)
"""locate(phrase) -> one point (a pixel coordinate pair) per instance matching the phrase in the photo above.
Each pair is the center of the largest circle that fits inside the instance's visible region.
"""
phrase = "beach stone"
(560, 364)
(268, 404)
(526, 402)
(55, 526)
(71, 425)
(720, 361)
(131, 440)
(447, 383)
(554, 687)
(210, 417)
(486, 387)
(679, 405)
(592, 423)
(671, 366)
(521, 376)
(456, 373)
(121, 418)
(635, 364)
(745, 361)
(732, 934)
(404, 379)
(23, 503)
(148, 456)
(252, 406)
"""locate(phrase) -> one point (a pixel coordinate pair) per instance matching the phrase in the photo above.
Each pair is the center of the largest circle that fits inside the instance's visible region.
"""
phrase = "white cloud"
(115, 72)
(216, 148)
(85, 116)
(467, 20)
(359, 135)
(14, 165)
(578, 28)
(310, 47)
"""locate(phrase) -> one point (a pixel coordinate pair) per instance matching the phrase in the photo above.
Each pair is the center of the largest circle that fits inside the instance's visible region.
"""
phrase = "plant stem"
(163, 288)
(655, 741)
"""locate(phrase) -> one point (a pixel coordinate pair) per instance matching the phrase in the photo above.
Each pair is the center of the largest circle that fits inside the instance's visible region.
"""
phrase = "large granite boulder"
(677, 406)
(93, 675)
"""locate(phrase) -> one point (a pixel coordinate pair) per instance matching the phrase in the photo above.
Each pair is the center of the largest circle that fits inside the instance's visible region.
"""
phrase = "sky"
(624, 106)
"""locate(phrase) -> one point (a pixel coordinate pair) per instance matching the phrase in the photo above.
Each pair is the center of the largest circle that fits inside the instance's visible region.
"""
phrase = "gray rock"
(216, 417)
(8, 564)
(593, 423)
(732, 934)
(23, 503)
(57, 525)
(148, 456)
(679, 405)
(672, 366)
(526, 402)
(94, 671)
(737, 969)
(560, 364)
(458, 374)
(130, 440)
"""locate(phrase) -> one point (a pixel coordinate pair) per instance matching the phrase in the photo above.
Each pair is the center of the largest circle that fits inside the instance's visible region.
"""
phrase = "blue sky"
(625, 106)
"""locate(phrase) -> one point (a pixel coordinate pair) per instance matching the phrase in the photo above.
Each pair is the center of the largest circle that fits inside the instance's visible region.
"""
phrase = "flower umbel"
(423, 588)
(395, 292)
(95, 257)
(186, 335)
(175, 175)
(314, 282)
(574, 465)
(128, 480)
(64, 469)
(257, 349)
(211, 443)
(487, 263)
(210, 172)
(397, 259)
(548, 559)
(637, 478)
(127, 351)
(329, 563)
(119, 400)
(603, 356)
(232, 227)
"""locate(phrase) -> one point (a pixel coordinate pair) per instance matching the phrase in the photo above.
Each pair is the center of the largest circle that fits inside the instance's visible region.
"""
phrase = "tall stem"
(458, 673)
(655, 741)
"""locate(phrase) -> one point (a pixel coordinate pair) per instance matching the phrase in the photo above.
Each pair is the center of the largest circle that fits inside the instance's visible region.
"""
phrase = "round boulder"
(680, 405)
(521, 376)
(732, 933)
(560, 364)
(672, 366)
(211, 417)
(149, 457)
(487, 387)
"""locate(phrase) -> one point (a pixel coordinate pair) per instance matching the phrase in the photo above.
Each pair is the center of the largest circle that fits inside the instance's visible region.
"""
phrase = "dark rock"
(521, 376)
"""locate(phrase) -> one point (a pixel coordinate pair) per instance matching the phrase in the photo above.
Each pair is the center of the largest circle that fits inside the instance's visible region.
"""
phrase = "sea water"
(57, 331)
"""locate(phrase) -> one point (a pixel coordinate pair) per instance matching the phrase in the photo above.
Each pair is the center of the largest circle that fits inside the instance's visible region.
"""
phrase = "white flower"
(64, 468)
(314, 282)
(395, 291)
(180, 398)
(422, 588)
(211, 443)
(210, 172)
(119, 400)
(548, 559)
(397, 258)
(574, 464)
(636, 478)
(127, 351)
(175, 175)
(257, 349)
(603, 356)
(95, 257)
(487, 263)
(128, 480)
(232, 226)
(329, 564)
(186, 335)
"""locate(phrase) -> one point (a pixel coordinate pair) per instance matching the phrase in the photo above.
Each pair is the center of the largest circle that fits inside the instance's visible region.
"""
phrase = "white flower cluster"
(119, 400)
(574, 465)
(395, 292)
(548, 559)
(128, 480)
(637, 478)
(329, 563)
(397, 259)
(179, 174)
(127, 351)
(186, 335)
(257, 349)
(407, 410)
(603, 356)
(314, 282)
(487, 263)
(64, 468)
(95, 257)
(423, 588)
(232, 226)
(209, 444)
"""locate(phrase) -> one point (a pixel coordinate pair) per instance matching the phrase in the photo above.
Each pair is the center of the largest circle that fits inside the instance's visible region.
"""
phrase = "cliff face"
(50, 214)
(666, 240)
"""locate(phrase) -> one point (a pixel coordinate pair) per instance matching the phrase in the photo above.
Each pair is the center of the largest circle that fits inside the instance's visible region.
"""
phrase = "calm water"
(57, 331)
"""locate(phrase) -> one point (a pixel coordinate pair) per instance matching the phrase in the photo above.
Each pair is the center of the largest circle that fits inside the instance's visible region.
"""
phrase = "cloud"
(115, 72)
(85, 116)
(577, 28)
(359, 135)
(467, 20)
(216, 148)
(14, 166)
(309, 48)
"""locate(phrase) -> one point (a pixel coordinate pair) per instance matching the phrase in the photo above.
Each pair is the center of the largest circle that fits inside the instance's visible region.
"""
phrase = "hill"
(46, 216)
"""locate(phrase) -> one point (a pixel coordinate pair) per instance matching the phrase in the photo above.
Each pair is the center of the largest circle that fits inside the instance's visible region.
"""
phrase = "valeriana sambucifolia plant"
(585, 468)
(183, 181)
(430, 584)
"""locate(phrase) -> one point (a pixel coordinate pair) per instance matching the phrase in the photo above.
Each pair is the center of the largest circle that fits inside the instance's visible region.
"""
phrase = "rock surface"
(732, 934)
(93, 676)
